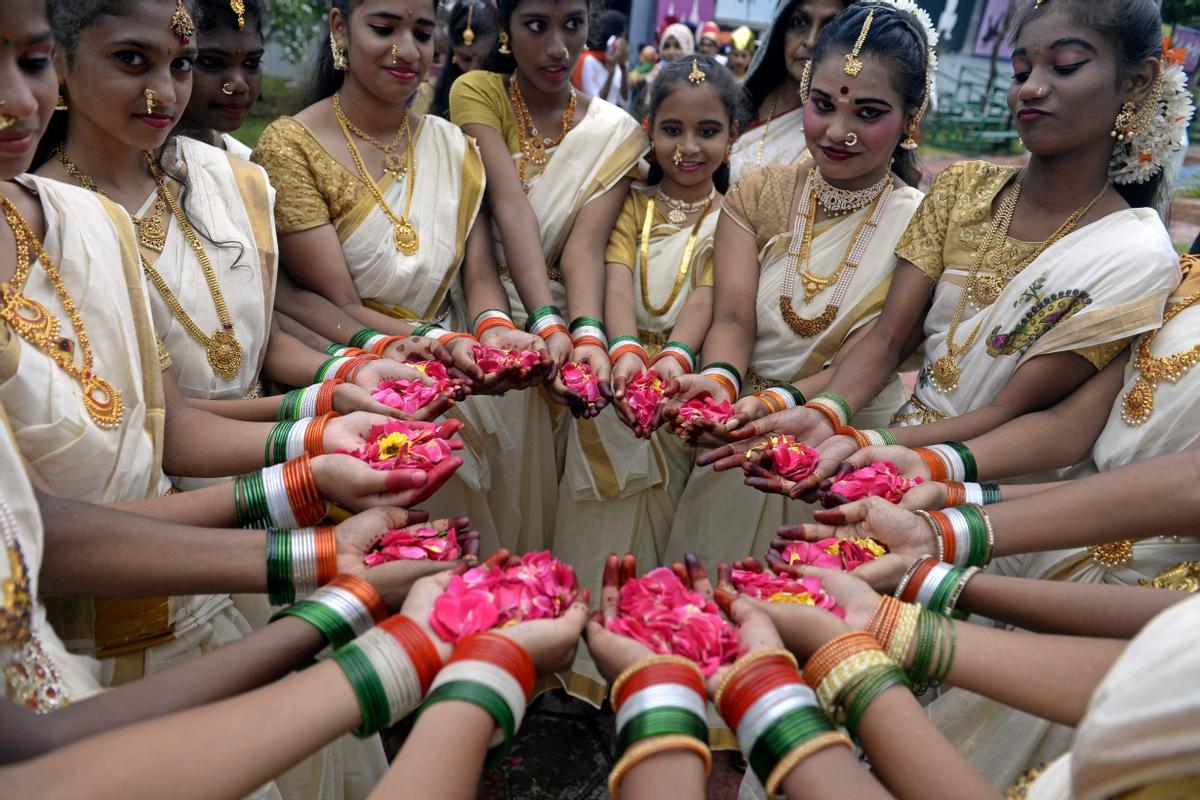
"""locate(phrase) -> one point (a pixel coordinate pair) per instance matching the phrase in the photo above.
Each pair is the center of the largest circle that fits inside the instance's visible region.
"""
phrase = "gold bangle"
(802, 752)
(649, 747)
(615, 689)
(906, 628)
(843, 673)
(744, 662)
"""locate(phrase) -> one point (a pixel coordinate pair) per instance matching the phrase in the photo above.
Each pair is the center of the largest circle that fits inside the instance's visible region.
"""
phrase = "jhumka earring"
(238, 7)
(61, 103)
(677, 159)
(149, 101)
(468, 32)
(853, 64)
(227, 89)
(504, 51)
(696, 76)
(910, 136)
(339, 53)
(1133, 119)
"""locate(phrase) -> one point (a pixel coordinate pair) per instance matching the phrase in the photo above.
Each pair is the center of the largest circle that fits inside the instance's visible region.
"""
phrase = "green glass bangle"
(941, 593)
(875, 683)
(991, 493)
(727, 367)
(785, 735)
(926, 635)
(614, 342)
(579, 322)
(361, 336)
(331, 625)
(684, 347)
(950, 636)
(968, 459)
(250, 500)
(661, 721)
(280, 588)
(484, 697)
(839, 400)
(977, 530)
(794, 393)
(368, 689)
(887, 436)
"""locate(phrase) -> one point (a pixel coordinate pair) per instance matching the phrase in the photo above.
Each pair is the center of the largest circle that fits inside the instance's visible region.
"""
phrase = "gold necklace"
(684, 263)
(946, 370)
(800, 252)
(393, 162)
(533, 144)
(762, 140)
(679, 210)
(35, 324)
(152, 233)
(1138, 404)
(840, 202)
(404, 235)
(16, 608)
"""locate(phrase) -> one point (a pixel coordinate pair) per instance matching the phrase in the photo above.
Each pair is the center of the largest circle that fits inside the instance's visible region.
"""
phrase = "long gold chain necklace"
(684, 263)
(1138, 403)
(16, 609)
(762, 140)
(679, 210)
(404, 235)
(393, 161)
(533, 144)
(800, 252)
(946, 370)
(35, 324)
(152, 232)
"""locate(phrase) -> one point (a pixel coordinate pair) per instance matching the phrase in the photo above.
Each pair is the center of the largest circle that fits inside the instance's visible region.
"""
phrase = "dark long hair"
(896, 38)
(323, 80)
(1134, 29)
(483, 23)
(214, 15)
(674, 74)
(503, 63)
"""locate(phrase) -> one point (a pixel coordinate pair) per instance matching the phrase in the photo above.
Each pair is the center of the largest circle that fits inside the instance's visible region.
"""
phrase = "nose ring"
(227, 89)
(851, 139)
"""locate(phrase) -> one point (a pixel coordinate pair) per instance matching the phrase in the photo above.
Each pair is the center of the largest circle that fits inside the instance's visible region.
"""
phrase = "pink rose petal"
(415, 545)
(493, 359)
(644, 393)
(880, 479)
(789, 458)
(703, 408)
(782, 589)
(398, 445)
(579, 378)
(831, 553)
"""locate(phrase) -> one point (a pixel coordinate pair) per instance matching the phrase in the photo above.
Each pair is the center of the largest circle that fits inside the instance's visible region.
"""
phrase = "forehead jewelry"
(853, 64)
(149, 101)
(238, 7)
(181, 23)
(227, 89)
(468, 33)
(697, 76)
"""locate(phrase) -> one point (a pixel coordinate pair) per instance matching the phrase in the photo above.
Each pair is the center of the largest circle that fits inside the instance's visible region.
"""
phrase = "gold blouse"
(761, 202)
(481, 98)
(953, 222)
(625, 240)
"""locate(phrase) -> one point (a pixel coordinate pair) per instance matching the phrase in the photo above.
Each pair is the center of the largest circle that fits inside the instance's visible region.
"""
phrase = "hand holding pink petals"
(702, 408)
(420, 544)
(579, 378)
(644, 393)
(880, 479)
(783, 589)
(832, 553)
(401, 445)
(493, 359)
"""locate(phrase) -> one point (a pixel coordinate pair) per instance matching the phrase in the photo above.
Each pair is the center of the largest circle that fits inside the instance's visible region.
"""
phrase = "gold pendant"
(224, 355)
(407, 241)
(986, 289)
(1113, 555)
(1138, 404)
(395, 164)
(102, 401)
(152, 234)
(853, 65)
(676, 217)
(945, 374)
(38, 323)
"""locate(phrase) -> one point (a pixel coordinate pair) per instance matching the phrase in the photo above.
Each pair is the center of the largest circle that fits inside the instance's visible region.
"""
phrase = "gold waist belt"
(923, 413)
(654, 341)
(131, 624)
(553, 272)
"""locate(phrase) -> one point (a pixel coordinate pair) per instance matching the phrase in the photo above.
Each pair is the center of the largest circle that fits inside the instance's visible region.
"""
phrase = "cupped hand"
(683, 389)
(418, 348)
(908, 463)
(613, 652)
(352, 484)
(805, 424)
(394, 580)
(350, 397)
(359, 533)
(462, 353)
(900, 530)
(551, 643)
(349, 431)
(882, 574)
(372, 373)
(418, 605)
(745, 411)
(626, 368)
(597, 360)
(756, 630)
(516, 377)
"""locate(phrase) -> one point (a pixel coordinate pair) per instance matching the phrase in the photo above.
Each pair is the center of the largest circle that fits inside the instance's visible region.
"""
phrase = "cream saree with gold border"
(780, 141)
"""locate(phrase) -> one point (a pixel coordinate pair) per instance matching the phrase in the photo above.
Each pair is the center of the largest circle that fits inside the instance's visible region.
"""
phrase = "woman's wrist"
(343, 608)
(280, 496)
(292, 438)
(308, 401)
(680, 352)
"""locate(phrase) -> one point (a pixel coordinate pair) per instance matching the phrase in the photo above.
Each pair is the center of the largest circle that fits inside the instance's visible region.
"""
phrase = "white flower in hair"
(922, 16)
(1144, 154)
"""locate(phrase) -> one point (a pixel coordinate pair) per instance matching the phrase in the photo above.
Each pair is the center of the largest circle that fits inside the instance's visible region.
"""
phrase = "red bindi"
(845, 90)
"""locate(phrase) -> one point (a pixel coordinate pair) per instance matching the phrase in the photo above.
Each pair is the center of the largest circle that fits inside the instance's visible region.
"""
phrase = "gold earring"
(910, 135)
(149, 101)
(61, 103)
(504, 51)
(677, 159)
(340, 63)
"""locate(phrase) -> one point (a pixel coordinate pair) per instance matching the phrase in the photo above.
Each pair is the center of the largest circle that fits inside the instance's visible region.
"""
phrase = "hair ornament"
(468, 32)
(931, 62)
(238, 7)
(853, 64)
(696, 76)
(182, 24)
(1145, 152)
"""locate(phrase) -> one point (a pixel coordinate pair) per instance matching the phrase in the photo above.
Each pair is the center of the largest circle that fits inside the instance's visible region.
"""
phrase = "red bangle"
(365, 593)
(418, 645)
(683, 362)
(753, 683)
(956, 493)
(301, 487)
(918, 577)
(584, 341)
(553, 329)
(350, 368)
(314, 435)
(501, 651)
(655, 674)
(324, 402)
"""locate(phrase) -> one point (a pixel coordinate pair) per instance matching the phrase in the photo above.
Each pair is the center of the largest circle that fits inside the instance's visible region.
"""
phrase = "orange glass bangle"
(617, 686)
(324, 402)
(495, 648)
(656, 674)
(768, 400)
(648, 747)
(314, 435)
(744, 663)
(956, 494)
(683, 362)
(590, 341)
(384, 343)
(833, 652)
(621, 350)
(726, 384)
(937, 467)
(883, 621)
(830, 415)
(493, 322)
(365, 592)
(417, 645)
(553, 329)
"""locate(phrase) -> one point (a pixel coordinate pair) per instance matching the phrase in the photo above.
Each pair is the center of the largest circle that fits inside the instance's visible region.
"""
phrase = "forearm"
(210, 507)
(225, 749)
(448, 727)
(315, 313)
(1015, 491)
(1031, 443)
(954, 429)
(674, 773)
(1074, 609)
(290, 362)
(260, 409)
(620, 315)
(866, 367)
(523, 251)
(582, 261)
(480, 278)
(203, 445)
(730, 339)
(695, 318)
(306, 336)
(832, 772)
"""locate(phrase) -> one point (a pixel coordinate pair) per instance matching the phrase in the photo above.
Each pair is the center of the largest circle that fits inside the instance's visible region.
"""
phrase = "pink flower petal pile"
(644, 394)
(422, 544)
(540, 587)
(663, 614)
(843, 554)
(492, 359)
(782, 589)
(579, 378)
(789, 458)
(408, 396)
(703, 408)
(399, 445)
(437, 371)
(880, 479)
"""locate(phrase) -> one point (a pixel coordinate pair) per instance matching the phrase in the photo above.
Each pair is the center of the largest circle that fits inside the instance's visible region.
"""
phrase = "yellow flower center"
(392, 445)
(799, 598)
(870, 545)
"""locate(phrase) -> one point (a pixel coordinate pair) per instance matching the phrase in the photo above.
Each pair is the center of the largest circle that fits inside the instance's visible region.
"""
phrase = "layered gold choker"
(840, 202)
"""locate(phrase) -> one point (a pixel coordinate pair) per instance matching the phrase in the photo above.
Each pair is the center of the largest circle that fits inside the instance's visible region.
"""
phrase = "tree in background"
(1186, 12)
(295, 24)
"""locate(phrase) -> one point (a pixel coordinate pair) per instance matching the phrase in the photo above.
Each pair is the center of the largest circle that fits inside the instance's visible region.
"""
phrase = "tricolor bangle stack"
(343, 367)
(390, 668)
(443, 336)
(494, 673)
(342, 350)
(781, 397)
(309, 401)
(834, 407)
(964, 535)
(281, 496)
(492, 318)
(299, 561)
(935, 585)
(871, 437)
(622, 345)
(588, 331)
(679, 351)
(895, 625)
(545, 321)
(726, 375)
(345, 607)
(775, 714)
(949, 461)
(981, 494)
(293, 438)
(372, 341)
(660, 705)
